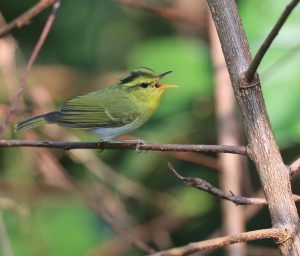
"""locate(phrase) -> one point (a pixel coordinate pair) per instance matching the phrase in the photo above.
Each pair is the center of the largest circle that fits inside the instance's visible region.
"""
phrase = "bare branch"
(25, 18)
(250, 73)
(278, 235)
(262, 147)
(206, 186)
(33, 56)
(170, 14)
(125, 145)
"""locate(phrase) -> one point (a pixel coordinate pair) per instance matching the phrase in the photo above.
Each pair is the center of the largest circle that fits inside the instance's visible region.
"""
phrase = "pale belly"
(108, 134)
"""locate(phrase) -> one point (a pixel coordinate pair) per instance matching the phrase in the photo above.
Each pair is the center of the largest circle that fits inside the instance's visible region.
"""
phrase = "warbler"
(112, 111)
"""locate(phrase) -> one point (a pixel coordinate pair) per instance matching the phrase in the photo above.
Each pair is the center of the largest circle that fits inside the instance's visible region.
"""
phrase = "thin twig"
(33, 56)
(125, 145)
(25, 18)
(206, 186)
(271, 233)
(250, 73)
(170, 14)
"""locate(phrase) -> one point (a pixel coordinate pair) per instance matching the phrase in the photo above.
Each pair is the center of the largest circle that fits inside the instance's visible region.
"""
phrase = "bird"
(112, 111)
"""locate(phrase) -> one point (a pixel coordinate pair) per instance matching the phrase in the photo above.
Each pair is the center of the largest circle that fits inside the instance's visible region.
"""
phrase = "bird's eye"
(144, 85)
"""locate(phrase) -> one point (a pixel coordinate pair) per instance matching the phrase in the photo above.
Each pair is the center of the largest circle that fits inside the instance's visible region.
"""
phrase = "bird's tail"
(30, 123)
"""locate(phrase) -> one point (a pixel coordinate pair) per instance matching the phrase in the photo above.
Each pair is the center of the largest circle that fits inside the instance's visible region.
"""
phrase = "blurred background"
(91, 45)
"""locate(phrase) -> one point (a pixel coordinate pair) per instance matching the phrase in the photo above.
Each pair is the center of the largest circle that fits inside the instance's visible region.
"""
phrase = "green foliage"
(55, 228)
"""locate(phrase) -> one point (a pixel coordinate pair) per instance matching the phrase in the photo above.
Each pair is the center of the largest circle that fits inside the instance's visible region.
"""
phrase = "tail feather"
(30, 123)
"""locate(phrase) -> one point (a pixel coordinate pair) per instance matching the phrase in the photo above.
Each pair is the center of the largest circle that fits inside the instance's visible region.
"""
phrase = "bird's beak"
(165, 86)
(164, 74)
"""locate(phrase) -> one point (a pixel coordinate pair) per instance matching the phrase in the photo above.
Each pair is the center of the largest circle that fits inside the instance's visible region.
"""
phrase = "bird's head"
(145, 84)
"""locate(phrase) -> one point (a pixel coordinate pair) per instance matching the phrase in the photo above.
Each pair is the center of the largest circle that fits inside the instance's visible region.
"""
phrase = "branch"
(272, 233)
(25, 18)
(124, 145)
(250, 73)
(206, 186)
(33, 56)
(262, 147)
(170, 14)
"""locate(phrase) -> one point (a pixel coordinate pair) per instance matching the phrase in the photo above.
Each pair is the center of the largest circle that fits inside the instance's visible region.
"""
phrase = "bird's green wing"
(92, 111)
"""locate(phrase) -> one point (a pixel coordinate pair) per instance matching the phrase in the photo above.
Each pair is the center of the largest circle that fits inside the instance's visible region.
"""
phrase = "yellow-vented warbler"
(111, 111)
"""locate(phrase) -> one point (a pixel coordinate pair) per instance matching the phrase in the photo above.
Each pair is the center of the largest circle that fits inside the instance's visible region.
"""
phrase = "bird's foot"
(99, 145)
(137, 143)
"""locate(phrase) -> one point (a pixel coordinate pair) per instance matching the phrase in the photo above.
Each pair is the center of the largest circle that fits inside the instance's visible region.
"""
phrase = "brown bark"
(264, 152)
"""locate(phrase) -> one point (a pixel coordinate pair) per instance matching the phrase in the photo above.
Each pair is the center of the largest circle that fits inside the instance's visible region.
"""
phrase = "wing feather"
(89, 111)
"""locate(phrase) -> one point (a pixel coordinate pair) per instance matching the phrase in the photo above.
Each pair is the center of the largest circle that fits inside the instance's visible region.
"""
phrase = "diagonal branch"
(25, 18)
(125, 145)
(206, 186)
(26, 72)
(170, 14)
(250, 73)
(272, 233)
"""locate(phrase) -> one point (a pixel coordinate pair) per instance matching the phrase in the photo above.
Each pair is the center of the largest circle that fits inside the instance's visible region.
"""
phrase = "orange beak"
(165, 86)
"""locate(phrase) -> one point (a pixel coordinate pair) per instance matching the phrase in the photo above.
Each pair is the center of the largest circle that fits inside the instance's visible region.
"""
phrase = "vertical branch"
(264, 152)
(228, 134)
